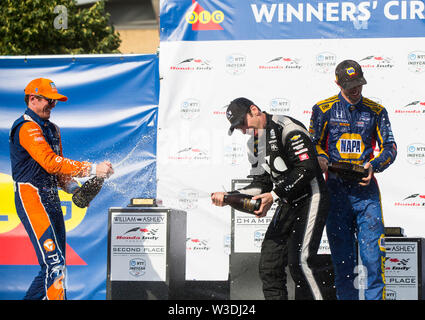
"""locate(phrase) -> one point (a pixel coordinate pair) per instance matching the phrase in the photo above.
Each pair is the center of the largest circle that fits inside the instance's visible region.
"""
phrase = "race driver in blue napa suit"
(345, 128)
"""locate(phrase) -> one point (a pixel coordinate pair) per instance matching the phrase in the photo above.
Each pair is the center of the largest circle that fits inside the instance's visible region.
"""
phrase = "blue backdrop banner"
(191, 20)
(111, 114)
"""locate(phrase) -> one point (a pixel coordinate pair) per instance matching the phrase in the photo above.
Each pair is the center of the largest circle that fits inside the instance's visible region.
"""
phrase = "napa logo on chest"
(350, 146)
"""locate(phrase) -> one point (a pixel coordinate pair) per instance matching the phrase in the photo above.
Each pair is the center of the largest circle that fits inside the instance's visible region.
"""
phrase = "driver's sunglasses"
(51, 102)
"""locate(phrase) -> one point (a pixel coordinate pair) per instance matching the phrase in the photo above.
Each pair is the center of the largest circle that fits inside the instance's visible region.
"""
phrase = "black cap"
(349, 74)
(236, 112)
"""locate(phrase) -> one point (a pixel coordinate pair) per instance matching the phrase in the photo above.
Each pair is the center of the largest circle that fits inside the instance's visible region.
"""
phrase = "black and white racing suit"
(284, 162)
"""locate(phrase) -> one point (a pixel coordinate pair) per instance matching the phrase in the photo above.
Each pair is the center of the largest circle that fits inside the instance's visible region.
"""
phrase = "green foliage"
(32, 27)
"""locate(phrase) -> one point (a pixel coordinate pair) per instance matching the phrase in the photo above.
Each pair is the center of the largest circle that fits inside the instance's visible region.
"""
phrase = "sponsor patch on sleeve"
(303, 156)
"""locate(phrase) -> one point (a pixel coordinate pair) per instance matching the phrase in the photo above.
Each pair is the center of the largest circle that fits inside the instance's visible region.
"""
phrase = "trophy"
(349, 171)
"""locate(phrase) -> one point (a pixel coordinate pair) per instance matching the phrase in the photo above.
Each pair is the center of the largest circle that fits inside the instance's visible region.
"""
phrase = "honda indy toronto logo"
(396, 264)
(192, 64)
(197, 244)
(281, 63)
(190, 154)
(376, 62)
(414, 200)
(139, 234)
(414, 107)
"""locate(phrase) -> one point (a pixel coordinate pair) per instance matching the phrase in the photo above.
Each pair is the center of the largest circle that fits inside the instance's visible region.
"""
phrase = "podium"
(146, 253)
(405, 268)
(247, 234)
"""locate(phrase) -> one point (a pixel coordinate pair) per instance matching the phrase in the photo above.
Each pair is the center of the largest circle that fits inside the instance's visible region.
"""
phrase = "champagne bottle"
(242, 202)
(83, 196)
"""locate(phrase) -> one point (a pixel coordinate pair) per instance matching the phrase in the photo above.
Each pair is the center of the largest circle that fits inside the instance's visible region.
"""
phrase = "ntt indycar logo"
(235, 64)
(234, 154)
(190, 109)
(325, 62)
(279, 106)
(137, 267)
(188, 199)
(259, 237)
(416, 61)
(416, 154)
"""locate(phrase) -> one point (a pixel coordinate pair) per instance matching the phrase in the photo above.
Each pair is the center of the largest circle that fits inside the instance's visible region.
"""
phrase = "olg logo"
(205, 17)
(202, 19)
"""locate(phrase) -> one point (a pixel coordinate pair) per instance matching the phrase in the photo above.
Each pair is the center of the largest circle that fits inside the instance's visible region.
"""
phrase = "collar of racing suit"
(36, 118)
(268, 121)
(347, 104)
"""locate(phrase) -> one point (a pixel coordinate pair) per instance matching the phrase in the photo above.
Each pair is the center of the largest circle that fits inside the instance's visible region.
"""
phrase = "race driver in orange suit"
(38, 168)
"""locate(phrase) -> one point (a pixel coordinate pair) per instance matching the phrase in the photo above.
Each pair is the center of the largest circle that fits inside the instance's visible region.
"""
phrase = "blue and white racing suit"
(350, 133)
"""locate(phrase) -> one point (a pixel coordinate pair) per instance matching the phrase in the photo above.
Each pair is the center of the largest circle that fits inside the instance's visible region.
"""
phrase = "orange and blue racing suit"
(350, 133)
(38, 168)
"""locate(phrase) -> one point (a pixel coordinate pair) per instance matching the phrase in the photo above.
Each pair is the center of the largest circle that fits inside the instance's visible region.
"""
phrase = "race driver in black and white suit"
(284, 169)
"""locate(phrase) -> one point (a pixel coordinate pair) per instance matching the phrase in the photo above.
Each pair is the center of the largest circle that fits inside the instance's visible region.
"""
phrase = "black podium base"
(206, 290)
(135, 290)
(245, 282)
